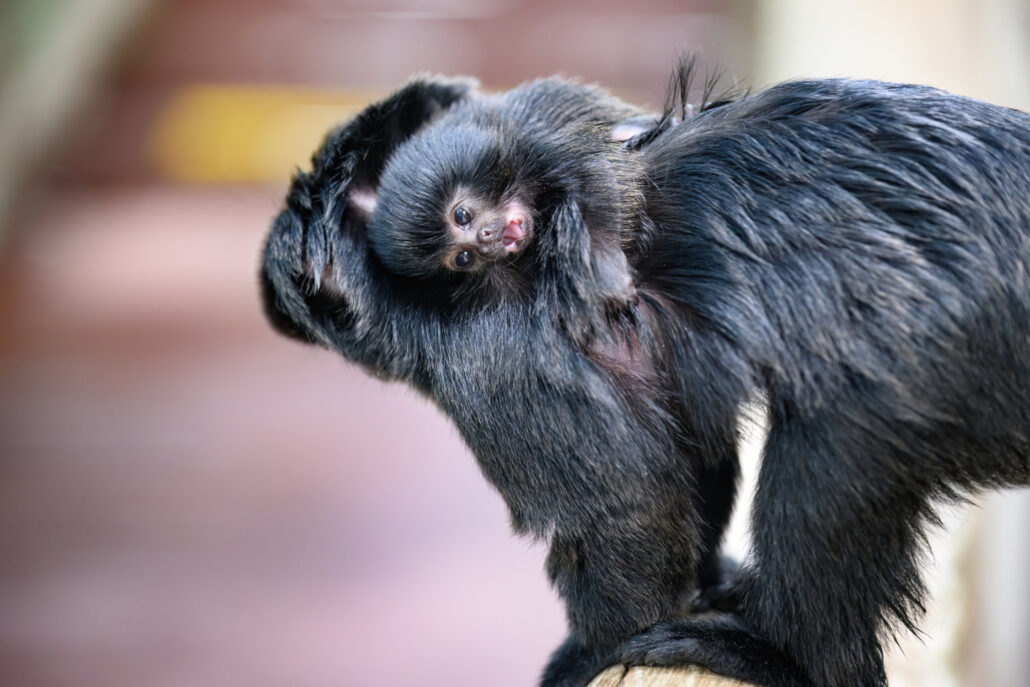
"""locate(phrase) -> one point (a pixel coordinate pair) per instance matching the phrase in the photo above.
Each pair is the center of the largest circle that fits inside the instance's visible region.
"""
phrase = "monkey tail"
(685, 100)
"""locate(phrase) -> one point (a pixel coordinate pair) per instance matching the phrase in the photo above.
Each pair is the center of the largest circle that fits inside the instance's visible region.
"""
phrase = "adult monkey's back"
(860, 253)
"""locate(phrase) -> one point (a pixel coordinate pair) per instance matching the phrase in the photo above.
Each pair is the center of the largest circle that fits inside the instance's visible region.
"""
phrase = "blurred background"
(186, 499)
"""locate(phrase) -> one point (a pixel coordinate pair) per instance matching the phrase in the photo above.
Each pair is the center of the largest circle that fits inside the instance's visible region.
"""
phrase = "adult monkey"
(858, 252)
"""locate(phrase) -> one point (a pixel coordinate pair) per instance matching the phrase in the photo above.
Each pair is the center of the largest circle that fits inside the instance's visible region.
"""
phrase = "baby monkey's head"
(451, 201)
(480, 231)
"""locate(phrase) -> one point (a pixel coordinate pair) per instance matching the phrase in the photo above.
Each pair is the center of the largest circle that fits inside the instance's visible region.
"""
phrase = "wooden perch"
(692, 676)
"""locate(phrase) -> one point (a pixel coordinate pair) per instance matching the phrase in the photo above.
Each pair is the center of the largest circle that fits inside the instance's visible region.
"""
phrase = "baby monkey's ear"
(353, 156)
(612, 275)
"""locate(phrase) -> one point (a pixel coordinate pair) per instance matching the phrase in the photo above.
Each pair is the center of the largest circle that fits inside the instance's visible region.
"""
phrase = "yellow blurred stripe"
(233, 133)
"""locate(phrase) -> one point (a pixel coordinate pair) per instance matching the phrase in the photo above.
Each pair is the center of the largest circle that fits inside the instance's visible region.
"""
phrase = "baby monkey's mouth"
(513, 236)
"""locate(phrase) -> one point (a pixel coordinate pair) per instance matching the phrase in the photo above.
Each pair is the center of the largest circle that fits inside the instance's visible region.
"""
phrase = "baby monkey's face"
(480, 232)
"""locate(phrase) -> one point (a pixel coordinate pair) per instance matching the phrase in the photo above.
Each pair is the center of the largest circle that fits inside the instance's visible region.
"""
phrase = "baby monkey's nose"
(488, 233)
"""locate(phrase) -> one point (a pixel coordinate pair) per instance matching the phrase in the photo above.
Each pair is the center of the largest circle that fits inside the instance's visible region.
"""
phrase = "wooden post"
(691, 676)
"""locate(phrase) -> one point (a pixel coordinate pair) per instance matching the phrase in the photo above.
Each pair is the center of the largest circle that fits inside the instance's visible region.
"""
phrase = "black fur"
(856, 251)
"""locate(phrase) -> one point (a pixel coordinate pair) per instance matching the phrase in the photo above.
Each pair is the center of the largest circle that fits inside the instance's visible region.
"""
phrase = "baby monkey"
(465, 193)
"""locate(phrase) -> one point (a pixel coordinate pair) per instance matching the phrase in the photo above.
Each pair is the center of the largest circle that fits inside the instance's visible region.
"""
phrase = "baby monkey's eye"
(462, 216)
(464, 258)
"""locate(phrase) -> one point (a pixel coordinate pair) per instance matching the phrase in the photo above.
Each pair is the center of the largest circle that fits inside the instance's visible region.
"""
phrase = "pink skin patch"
(624, 132)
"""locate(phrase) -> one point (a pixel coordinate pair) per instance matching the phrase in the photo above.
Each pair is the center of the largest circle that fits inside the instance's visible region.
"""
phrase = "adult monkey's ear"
(352, 157)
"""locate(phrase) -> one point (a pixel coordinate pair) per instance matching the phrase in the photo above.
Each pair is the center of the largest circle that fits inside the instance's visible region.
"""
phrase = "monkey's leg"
(616, 578)
(716, 479)
(717, 490)
(835, 534)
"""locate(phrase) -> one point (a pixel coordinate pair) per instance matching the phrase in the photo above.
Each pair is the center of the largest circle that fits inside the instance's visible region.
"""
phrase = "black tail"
(680, 103)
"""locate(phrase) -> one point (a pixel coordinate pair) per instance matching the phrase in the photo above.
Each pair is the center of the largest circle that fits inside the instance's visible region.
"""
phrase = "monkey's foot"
(721, 587)
(572, 665)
